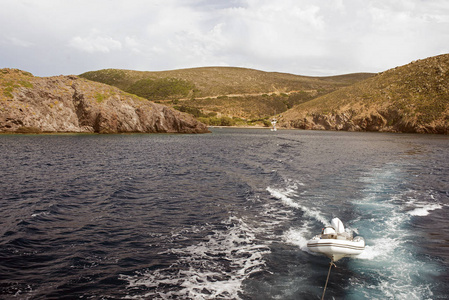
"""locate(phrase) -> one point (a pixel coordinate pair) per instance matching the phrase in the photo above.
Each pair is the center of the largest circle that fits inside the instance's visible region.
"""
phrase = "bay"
(222, 215)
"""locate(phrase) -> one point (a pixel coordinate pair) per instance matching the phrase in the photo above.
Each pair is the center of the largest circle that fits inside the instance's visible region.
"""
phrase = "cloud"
(277, 29)
(309, 37)
(133, 44)
(95, 42)
(15, 41)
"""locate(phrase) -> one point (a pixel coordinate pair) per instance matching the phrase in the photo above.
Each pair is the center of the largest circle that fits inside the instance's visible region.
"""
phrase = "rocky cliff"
(73, 104)
(413, 98)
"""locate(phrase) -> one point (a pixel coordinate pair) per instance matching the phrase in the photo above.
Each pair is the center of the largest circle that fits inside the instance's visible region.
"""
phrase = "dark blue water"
(224, 215)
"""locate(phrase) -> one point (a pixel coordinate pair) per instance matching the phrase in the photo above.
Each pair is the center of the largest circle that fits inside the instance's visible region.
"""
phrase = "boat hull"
(336, 249)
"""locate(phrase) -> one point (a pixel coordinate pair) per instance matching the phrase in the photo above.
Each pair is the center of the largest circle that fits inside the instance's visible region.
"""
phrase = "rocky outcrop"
(72, 104)
(412, 99)
(382, 121)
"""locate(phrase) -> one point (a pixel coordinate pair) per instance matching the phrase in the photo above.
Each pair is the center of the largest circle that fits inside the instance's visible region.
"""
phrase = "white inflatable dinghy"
(335, 243)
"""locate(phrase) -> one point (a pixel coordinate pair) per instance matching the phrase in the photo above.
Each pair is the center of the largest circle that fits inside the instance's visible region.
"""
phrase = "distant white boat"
(273, 122)
(335, 243)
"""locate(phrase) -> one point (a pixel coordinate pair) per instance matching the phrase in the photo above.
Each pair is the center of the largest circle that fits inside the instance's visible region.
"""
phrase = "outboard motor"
(338, 225)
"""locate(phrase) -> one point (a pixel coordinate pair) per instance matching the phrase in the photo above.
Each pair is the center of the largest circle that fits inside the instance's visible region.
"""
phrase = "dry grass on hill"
(224, 91)
(415, 95)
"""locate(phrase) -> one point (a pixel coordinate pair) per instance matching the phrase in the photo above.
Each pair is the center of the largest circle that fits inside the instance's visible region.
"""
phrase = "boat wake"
(285, 196)
(422, 208)
(390, 259)
(299, 237)
(211, 269)
(389, 266)
(218, 266)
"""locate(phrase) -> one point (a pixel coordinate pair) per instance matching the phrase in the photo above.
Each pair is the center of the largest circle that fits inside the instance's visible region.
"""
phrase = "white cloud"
(133, 44)
(15, 41)
(309, 37)
(95, 42)
(400, 32)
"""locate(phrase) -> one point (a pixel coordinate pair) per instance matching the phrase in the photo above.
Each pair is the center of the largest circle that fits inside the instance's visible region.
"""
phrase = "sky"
(303, 37)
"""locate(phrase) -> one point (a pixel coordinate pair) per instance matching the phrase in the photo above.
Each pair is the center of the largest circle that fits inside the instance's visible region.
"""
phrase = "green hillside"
(227, 95)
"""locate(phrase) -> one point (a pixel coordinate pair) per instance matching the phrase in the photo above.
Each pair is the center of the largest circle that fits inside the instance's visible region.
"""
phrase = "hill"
(222, 93)
(410, 98)
(32, 104)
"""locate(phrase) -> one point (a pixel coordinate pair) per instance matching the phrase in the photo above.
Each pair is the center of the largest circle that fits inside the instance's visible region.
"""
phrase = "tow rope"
(328, 273)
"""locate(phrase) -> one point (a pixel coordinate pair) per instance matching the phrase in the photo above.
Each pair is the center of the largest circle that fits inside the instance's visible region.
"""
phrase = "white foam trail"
(381, 248)
(418, 208)
(389, 257)
(298, 237)
(425, 209)
(216, 268)
(283, 195)
(44, 213)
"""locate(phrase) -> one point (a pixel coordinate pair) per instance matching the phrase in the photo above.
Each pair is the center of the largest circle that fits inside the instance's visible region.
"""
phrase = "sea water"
(224, 215)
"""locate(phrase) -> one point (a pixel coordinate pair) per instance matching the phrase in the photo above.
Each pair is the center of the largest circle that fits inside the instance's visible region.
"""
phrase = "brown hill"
(410, 98)
(72, 104)
(224, 91)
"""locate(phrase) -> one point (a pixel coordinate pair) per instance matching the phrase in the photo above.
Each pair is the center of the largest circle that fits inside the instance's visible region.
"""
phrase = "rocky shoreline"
(413, 98)
(376, 122)
(70, 104)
